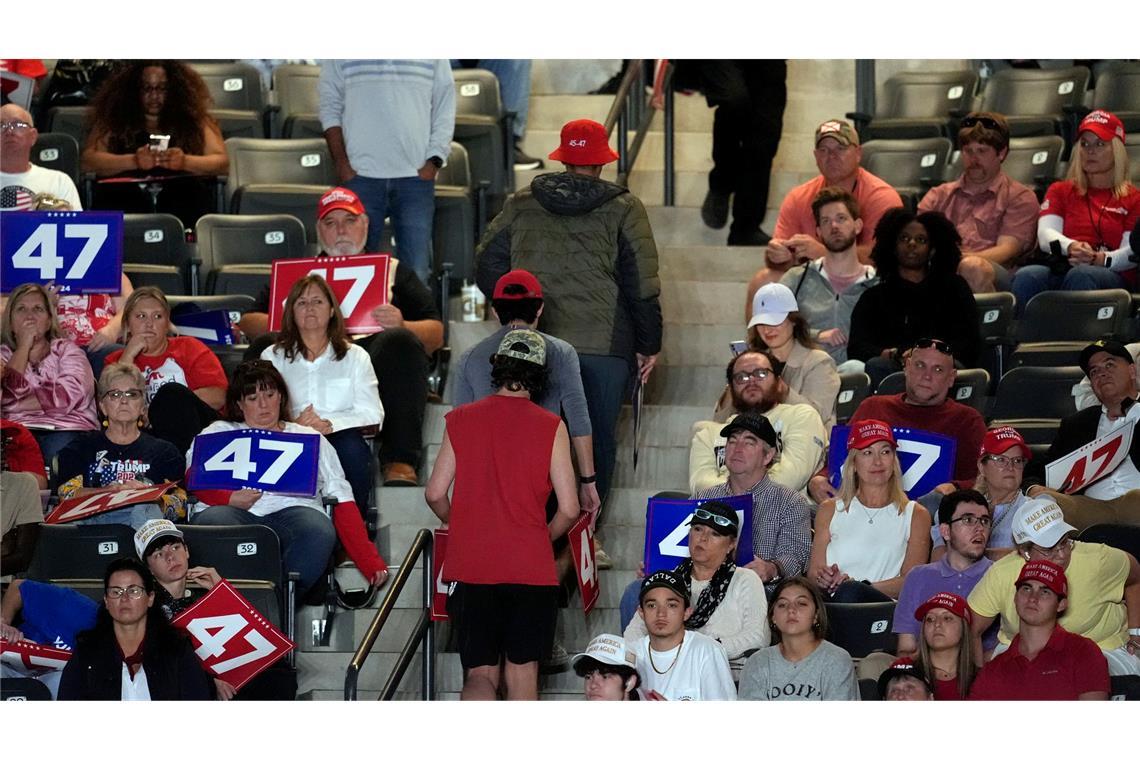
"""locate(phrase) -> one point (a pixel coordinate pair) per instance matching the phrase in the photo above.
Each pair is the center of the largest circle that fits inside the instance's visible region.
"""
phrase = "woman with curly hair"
(140, 100)
(920, 294)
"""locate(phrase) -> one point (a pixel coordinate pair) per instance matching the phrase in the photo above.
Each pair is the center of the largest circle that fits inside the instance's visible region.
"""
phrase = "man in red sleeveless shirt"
(503, 454)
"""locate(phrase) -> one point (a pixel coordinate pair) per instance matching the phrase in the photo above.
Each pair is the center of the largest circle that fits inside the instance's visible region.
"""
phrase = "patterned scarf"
(713, 594)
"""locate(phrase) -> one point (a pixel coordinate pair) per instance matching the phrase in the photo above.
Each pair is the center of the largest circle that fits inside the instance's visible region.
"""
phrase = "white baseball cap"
(1040, 521)
(152, 530)
(772, 304)
(606, 648)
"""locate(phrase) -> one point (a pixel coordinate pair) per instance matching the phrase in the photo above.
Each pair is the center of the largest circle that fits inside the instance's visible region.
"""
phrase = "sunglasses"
(940, 346)
(985, 121)
(720, 520)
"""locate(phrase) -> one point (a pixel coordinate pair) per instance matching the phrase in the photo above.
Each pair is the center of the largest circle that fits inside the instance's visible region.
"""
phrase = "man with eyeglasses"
(837, 155)
(964, 525)
(781, 517)
(754, 381)
(1104, 582)
(1115, 496)
(1044, 660)
(21, 180)
(995, 214)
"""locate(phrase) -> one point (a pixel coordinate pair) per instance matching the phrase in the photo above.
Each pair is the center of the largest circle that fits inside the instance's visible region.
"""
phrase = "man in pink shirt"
(795, 240)
(995, 215)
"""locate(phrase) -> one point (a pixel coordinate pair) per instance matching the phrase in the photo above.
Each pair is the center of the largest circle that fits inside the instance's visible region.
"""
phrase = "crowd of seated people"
(1008, 596)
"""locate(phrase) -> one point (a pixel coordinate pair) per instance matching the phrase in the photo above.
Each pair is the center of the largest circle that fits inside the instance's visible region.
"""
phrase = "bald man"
(20, 179)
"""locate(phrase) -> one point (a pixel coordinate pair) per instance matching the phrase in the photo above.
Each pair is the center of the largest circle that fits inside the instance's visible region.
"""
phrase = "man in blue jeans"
(388, 124)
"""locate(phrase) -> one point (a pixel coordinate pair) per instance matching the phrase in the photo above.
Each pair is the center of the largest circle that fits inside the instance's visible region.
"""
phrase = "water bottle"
(474, 303)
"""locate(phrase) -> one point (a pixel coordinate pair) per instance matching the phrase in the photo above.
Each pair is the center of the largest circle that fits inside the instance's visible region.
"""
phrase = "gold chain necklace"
(666, 670)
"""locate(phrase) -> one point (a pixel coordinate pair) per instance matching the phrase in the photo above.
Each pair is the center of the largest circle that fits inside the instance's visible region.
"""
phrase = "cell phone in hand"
(159, 143)
(738, 347)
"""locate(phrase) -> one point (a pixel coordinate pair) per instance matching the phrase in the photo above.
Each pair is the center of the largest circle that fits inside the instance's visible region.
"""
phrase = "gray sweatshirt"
(824, 675)
(820, 305)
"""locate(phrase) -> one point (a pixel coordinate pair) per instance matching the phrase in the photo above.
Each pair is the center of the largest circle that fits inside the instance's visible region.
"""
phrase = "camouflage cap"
(527, 345)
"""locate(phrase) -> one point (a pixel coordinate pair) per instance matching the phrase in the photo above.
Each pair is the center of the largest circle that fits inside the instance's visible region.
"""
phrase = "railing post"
(670, 178)
(623, 142)
(429, 635)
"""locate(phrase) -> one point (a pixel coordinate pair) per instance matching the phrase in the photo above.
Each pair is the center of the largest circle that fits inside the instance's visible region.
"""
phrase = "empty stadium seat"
(1057, 324)
(155, 253)
(277, 162)
(853, 388)
(58, 151)
(79, 552)
(235, 123)
(480, 126)
(1034, 399)
(1123, 537)
(969, 387)
(298, 101)
(861, 628)
(1034, 100)
(453, 230)
(918, 104)
(995, 317)
(69, 120)
(910, 166)
(23, 690)
(1118, 90)
(237, 251)
(233, 85)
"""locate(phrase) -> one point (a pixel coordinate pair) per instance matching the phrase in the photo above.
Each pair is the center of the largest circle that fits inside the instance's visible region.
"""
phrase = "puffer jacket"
(589, 243)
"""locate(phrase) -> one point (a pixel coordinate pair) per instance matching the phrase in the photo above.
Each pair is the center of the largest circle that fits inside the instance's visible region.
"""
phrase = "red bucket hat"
(1103, 124)
(865, 432)
(584, 143)
(342, 198)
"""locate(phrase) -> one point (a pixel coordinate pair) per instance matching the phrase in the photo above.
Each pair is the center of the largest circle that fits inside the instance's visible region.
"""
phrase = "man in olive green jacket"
(590, 244)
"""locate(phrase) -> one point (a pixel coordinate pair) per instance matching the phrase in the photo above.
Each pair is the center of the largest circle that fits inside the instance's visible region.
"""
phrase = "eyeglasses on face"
(720, 520)
(971, 520)
(132, 592)
(131, 395)
(1064, 546)
(1004, 461)
(14, 126)
(742, 377)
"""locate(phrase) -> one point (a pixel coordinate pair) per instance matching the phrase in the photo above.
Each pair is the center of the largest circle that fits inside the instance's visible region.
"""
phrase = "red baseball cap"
(1045, 572)
(1002, 439)
(584, 143)
(342, 198)
(865, 432)
(1103, 124)
(946, 601)
(518, 277)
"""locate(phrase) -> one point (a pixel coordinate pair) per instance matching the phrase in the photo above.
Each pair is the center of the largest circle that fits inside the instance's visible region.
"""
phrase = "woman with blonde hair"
(46, 384)
(871, 534)
(1089, 214)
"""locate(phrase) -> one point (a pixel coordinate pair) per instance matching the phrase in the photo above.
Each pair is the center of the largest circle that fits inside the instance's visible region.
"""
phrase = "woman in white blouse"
(331, 382)
(870, 535)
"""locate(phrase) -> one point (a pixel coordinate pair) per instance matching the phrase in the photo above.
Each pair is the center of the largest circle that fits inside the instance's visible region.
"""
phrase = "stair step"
(695, 302)
(663, 425)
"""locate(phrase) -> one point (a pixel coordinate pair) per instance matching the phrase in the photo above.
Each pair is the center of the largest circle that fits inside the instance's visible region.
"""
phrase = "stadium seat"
(23, 690)
(1126, 688)
(233, 302)
(861, 628)
(69, 120)
(1133, 149)
(995, 317)
(298, 101)
(1034, 399)
(1033, 161)
(918, 104)
(1057, 324)
(910, 166)
(155, 253)
(969, 388)
(1117, 90)
(277, 162)
(453, 231)
(481, 127)
(1123, 537)
(234, 123)
(296, 200)
(1034, 100)
(233, 86)
(241, 554)
(237, 251)
(853, 388)
(868, 690)
(79, 552)
(59, 151)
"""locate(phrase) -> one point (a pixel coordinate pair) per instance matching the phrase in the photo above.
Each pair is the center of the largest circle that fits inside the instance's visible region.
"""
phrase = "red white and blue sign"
(667, 530)
(80, 251)
(281, 463)
(213, 326)
(927, 459)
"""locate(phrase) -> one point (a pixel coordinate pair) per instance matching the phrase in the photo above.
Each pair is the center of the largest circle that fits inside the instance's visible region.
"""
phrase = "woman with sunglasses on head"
(870, 535)
(1104, 587)
(920, 294)
(121, 454)
(1088, 217)
(728, 601)
(801, 664)
(133, 653)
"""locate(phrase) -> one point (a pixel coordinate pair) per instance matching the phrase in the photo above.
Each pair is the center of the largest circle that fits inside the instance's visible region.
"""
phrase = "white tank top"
(869, 544)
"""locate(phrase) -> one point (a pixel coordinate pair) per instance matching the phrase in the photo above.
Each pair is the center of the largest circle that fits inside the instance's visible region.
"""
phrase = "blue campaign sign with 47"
(81, 251)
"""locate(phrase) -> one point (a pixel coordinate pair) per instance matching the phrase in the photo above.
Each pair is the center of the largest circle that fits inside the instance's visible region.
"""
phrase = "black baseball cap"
(714, 514)
(1113, 347)
(664, 579)
(901, 668)
(754, 423)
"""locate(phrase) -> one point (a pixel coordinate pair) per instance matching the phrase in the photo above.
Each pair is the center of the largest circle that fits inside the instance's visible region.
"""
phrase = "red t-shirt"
(498, 529)
(1067, 667)
(21, 452)
(187, 361)
(946, 691)
(1098, 218)
(81, 316)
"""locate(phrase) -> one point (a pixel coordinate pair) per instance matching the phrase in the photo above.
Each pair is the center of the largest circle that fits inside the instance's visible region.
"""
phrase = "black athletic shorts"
(502, 619)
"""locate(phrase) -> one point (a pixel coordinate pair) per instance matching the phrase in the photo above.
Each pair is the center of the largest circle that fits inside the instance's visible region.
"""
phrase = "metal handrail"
(424, 631)
(626, 106)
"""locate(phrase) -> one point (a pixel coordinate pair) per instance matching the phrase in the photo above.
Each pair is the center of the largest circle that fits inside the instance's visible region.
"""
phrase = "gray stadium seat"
(237, 251)
(277, 162)
(861, 628)
(79, 552)
(1057, 324)
(155, 253)
(453, 231)
(1118, 90)
(69, 120)
(910, 166)
(295, 90)
(995, 318)
(233, 85)
(1034, 100)
(853, 388)
(235, 123)
(480, 126)
(918, 104)
(58, 151)
(1034, 399)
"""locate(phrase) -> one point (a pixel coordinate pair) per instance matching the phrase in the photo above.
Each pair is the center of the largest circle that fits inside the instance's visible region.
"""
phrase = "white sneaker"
(602, 560)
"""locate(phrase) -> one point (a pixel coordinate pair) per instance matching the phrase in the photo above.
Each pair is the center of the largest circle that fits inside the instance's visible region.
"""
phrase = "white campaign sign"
(1091, 462)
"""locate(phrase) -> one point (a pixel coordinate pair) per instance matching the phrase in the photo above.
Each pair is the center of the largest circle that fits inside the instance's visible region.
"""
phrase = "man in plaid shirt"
(781, 517)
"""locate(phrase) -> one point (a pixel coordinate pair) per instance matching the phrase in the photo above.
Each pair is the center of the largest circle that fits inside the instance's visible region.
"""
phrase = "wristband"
(586, 479)
(1134, 631)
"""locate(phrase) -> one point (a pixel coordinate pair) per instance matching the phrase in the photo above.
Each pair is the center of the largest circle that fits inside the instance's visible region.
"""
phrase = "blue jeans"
(53, 441)
(307, 537)
(604, 380)
(514, 86)
(410, 201)
(628, 605)
(1031, 280)
(134, 516)
(356, 460)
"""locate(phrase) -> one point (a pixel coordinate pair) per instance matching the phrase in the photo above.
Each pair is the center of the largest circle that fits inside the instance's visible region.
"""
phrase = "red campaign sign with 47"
(88, 506)
(360, 284)
(581, 538)
(233, 640)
